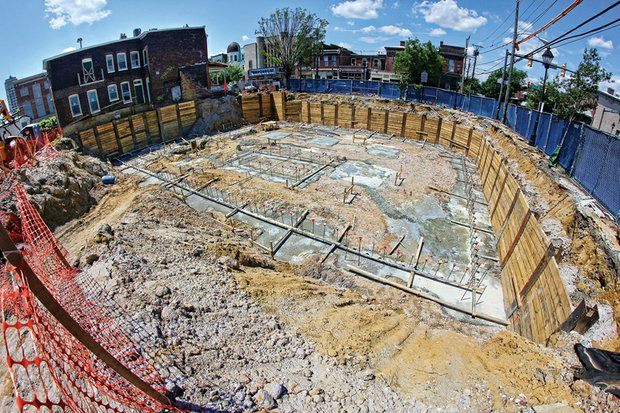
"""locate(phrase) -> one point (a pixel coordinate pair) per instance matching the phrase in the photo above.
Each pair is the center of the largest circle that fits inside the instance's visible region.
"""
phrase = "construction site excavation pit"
(401, 212)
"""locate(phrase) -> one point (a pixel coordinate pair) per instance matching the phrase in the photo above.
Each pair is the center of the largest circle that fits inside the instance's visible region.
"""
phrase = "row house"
(453, 65)
(33, 96)
(136, 70)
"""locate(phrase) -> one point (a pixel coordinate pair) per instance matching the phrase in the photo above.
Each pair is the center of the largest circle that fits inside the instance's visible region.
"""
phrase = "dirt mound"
(63, 184)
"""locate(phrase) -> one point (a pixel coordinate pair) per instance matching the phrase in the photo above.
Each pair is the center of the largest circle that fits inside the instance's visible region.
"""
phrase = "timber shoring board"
(377, 120)
(293, 111)
(329, 114)
(395, 123)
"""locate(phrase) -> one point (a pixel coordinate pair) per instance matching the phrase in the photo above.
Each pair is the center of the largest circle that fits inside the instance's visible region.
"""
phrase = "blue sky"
(36, 29)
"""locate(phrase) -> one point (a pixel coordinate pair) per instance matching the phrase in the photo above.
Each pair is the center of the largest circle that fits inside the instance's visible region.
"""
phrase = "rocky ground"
(248, 333)
(239, 331)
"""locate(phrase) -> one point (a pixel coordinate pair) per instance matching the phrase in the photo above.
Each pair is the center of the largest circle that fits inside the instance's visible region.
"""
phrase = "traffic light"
(529, 61)
(563, 72)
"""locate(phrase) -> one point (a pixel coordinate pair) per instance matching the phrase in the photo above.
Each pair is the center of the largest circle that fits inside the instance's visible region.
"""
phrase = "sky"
(33, 30)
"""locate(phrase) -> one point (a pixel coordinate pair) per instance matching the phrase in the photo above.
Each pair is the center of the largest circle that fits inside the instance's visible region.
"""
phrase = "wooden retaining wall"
(535, 297)
(138, 131)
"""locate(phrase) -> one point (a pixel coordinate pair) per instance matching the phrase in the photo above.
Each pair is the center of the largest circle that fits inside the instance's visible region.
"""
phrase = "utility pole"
(463, 65)
(512, 63)
(476, 53)
(501, 88)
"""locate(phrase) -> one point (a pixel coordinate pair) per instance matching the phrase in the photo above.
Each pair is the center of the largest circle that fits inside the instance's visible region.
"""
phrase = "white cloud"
(245, 37)
(614, 83)
(437, 32)
(448, 14)
(76, 12)
(523, 27)
(350, 23)
(68, 49)
(345, 45)
(368, 29)
(600, 42)
(396, 31)
(358, 9)
(396, 5)
(373, 39)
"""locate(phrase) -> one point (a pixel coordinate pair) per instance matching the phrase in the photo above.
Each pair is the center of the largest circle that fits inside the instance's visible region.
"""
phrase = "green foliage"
(417, 58)
(491, 86)
(553, 95)
(49, 122)
(581, 89)
(472, 86)
(292, 36)
(232, 73)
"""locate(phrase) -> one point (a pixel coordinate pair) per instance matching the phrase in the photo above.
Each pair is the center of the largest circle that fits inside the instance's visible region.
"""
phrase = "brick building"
(34, 96)
(453, 66)
(142, 69)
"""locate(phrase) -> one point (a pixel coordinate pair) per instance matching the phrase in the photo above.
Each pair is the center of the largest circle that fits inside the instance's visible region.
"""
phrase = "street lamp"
(547, 59)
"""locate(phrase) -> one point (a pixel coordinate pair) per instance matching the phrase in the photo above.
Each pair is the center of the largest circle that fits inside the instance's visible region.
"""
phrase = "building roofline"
(30, 78)
(607, 95)
(140, 37)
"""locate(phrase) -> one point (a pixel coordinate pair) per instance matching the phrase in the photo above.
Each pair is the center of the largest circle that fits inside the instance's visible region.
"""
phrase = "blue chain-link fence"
(591, 157)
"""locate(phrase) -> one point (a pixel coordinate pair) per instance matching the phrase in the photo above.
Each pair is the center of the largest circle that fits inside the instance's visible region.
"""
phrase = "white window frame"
(123, 95)
(113, 86)
(75, 115)
(88, 92)
(145, 56)
(131, 54)
(109, 62)
(118, 61)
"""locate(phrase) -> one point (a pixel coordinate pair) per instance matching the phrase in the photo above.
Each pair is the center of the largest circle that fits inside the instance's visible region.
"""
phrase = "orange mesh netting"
(52, 370)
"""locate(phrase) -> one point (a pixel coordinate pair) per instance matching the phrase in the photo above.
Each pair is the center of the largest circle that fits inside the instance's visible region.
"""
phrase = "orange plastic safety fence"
(56, 371)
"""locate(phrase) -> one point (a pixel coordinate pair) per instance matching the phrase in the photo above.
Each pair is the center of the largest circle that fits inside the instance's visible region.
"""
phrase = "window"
(88, 70)
(451, 66)
(121, 59)
(353, 62)
(50, 104)
(113, 93)
(377, 63)
(333, 61)
(145, 56)
(76, 108)
(364, 61)
(249, 64)
(93, 101)
(325, 61)
(126, 92)
(109, 60)
(23, 91)
(28, 109)
(135, 59)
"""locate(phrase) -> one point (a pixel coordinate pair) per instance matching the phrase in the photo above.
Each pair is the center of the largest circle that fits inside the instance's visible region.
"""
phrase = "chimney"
(123, 36)
(136, 32)
(610, 91)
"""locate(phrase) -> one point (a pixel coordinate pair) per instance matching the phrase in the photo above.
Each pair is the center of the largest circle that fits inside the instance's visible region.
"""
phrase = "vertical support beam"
(322, 115)
(352, 113)
(162, 131)
(98, 140)
(438, 131)
(386, 121)
(403, 124)
(336, 106)
(147, 130)
(368, 119)
(261, 112)
(133, 132)
(452, 134)
(471, 132)
(116, 137)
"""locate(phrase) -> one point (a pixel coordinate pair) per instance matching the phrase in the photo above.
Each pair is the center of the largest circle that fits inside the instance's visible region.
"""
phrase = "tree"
(553, 95)
(580, 92)
(291, 37)
(492, 85)
(232, 73)
(472, 86)
(581, 89)
(419, 57)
